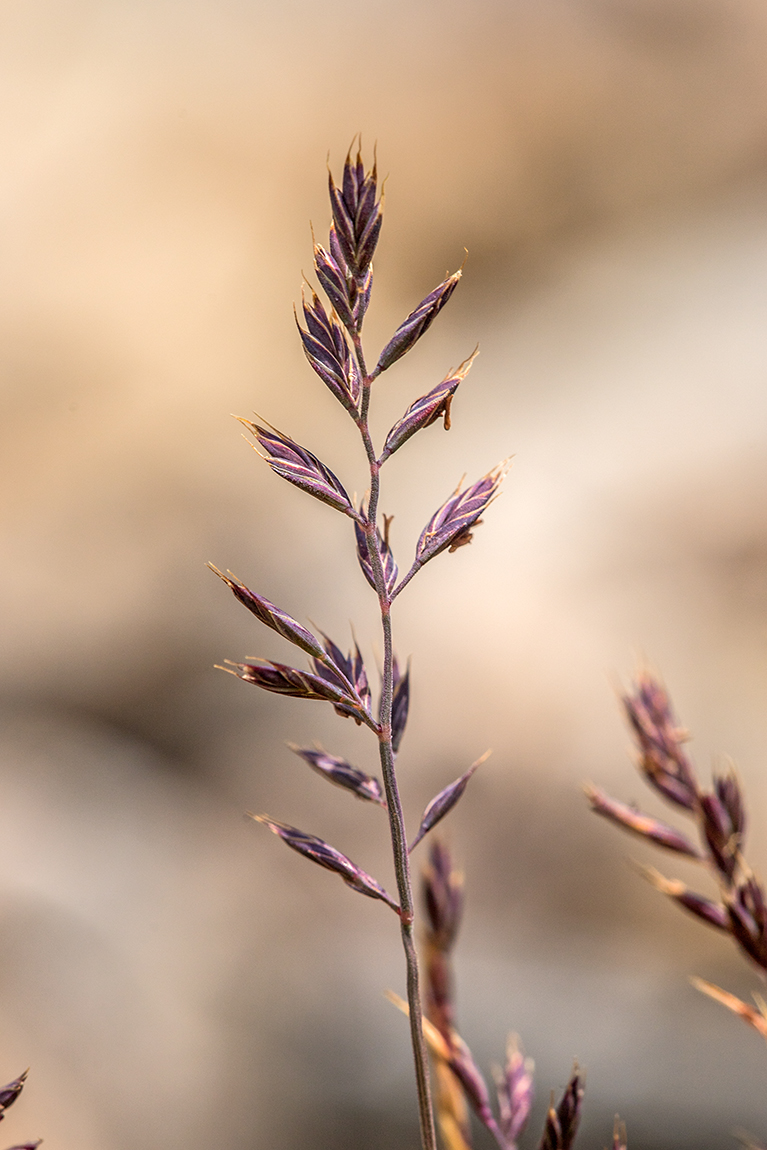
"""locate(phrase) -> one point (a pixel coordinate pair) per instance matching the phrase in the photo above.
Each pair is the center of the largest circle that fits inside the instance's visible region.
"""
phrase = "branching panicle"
(720, 818)
(331, 339)
(332, 342)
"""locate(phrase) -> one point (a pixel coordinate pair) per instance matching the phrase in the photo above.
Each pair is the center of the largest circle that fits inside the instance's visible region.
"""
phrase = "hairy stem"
(393, 802)
(417, 565)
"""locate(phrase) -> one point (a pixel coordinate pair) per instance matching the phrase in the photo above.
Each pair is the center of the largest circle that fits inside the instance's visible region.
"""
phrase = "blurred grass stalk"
(718, 816)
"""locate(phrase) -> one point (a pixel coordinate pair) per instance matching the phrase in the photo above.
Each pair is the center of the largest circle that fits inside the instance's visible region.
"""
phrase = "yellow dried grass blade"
(434, 1039)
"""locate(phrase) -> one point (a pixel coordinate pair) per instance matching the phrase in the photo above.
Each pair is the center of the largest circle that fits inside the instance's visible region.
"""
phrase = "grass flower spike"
(331, 340)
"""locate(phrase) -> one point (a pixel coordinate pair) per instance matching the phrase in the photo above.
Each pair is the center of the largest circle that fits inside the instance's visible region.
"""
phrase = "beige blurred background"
(174, 977)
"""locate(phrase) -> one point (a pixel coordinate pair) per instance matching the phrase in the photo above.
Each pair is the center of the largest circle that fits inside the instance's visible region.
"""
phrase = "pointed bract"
(663, 760)
(751, 897)
(444, 802)
(10, 1092)
(400, 704)
(417, 323)
(443, 896)
(361, 297)
(470, 1076)
(327, 856)
(645, 826)
(569, 1109)
(357, 214)
(723, 841)
(728, 793)
(703, 908)
(333, 279)
(428, 409)
(451, 525)
(284, 680)
(562, 1123)
(343, 774)
(388, 563)
(515, 1093)
(294, 463)
(341, 670)
(748, 920)
(272, 616)
(328, 353)
(552, 1133)
(346, 670)
(360, 677)
(336, 254)
(349, 295)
